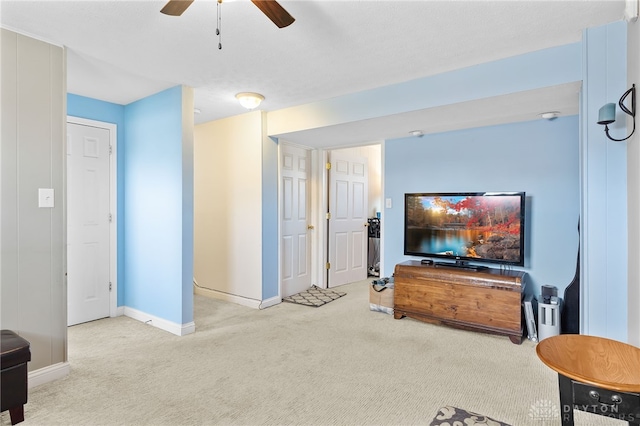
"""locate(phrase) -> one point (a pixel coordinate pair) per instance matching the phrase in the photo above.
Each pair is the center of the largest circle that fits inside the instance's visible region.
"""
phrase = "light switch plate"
(45, 197)
(387, 203)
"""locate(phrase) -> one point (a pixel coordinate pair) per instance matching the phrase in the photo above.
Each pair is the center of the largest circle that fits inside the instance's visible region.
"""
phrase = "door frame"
(113, 203)
(322, 204)
(319, 207)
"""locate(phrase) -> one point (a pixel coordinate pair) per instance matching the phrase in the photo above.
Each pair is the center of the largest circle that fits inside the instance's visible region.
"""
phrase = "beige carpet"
(291, 365)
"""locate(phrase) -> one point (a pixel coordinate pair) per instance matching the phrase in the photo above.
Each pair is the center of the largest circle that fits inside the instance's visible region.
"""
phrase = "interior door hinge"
(328, 266)
(328, 215)
(110, 286)
(328, 166)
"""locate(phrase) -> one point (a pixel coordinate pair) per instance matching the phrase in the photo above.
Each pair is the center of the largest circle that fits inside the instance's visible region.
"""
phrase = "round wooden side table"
(595, 374)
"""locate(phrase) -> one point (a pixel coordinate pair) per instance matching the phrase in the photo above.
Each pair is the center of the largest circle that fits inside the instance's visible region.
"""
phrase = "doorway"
(354, 198)
(313, 225)
(91, 220)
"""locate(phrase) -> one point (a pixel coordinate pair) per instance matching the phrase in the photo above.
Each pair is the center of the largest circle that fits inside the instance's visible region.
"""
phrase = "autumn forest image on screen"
(471, 226)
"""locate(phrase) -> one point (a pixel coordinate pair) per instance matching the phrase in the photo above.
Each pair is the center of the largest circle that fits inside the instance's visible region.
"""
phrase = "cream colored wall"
(374, 154)
(33, 294)
(633, 187)
(228, 207)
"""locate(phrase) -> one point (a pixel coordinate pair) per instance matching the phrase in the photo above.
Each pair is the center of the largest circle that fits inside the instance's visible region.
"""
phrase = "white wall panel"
(32, 153)
(633, 188)
(9, 181)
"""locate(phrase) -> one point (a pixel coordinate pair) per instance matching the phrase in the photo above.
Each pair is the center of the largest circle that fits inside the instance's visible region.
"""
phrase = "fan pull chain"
(219, 26)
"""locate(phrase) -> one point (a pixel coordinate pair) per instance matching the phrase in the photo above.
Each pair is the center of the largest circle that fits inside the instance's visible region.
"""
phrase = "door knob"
(310, 227)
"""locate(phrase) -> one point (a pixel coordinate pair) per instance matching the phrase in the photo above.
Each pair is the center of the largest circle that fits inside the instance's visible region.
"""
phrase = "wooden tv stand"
(488, 300)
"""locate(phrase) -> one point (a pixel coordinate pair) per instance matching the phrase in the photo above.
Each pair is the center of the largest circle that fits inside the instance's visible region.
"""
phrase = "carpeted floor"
(341, 364)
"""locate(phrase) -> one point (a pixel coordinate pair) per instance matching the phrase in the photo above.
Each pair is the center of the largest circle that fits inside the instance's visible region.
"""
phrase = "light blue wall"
(601, 171)
(270, 237)
(155, 202)
(153, 165)
(538, 157)
(93, 109)
(529, 71)
(604, 185)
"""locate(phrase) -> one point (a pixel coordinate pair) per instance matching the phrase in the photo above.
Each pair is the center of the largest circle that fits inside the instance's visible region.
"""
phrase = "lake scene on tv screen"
(471, 226)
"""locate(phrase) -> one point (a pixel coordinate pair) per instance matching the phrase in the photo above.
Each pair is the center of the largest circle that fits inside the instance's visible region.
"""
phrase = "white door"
(295, 226)
(348, 206)
(88, 179)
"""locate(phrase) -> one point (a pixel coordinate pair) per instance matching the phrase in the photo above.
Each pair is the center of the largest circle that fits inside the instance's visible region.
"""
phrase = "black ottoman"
(14, 355)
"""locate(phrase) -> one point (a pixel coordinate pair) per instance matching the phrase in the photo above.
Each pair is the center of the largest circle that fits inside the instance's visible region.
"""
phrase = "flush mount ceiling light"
(607, 113)
(249, 100)
(417, 133)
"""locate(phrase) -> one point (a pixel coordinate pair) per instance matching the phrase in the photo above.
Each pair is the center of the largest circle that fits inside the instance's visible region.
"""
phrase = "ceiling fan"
(271, 8)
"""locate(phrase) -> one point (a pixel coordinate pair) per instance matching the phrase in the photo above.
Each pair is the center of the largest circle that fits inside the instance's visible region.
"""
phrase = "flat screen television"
(485, 227)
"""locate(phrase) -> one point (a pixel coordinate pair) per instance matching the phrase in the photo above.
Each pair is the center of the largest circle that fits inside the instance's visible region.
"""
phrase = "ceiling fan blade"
(275, 12)
(176, 7)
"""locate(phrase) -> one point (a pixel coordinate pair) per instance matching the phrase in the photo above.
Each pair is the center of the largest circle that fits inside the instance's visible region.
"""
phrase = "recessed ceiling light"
(550, 115)
(416, 133)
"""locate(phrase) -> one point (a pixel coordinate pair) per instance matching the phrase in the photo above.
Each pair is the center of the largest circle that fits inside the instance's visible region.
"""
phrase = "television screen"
(477, 227)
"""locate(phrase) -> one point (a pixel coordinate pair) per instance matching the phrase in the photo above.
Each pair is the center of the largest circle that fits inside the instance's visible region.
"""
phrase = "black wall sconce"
(607, 113)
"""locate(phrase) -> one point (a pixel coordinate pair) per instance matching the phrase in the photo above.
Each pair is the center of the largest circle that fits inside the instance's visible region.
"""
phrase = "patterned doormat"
(449, 415)
(315, 296)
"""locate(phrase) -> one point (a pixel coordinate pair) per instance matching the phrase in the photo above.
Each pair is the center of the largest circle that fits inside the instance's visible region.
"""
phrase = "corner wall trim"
(214, 294)
(163, 324)
(270, 302)
(48, 374)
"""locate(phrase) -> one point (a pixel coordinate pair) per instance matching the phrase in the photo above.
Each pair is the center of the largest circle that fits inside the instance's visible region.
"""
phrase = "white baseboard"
(163, 324)
(120, 311)
(48, 374)
(270, 302)
(214, 294)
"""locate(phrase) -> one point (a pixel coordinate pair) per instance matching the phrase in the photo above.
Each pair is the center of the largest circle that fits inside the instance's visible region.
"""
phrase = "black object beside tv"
(478, 227)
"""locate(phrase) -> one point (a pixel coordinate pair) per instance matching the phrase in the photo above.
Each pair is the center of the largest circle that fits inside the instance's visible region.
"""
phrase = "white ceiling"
(120, 51)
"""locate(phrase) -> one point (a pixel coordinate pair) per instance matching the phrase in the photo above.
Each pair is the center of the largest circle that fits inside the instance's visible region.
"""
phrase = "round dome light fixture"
(249, 100)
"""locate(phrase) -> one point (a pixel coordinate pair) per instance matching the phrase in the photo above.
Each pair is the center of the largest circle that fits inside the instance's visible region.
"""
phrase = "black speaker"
(570, 313)
(374, 227)
(548, 291)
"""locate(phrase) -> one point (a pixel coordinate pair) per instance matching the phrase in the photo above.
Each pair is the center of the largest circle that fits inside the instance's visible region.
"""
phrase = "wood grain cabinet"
(487, 300)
